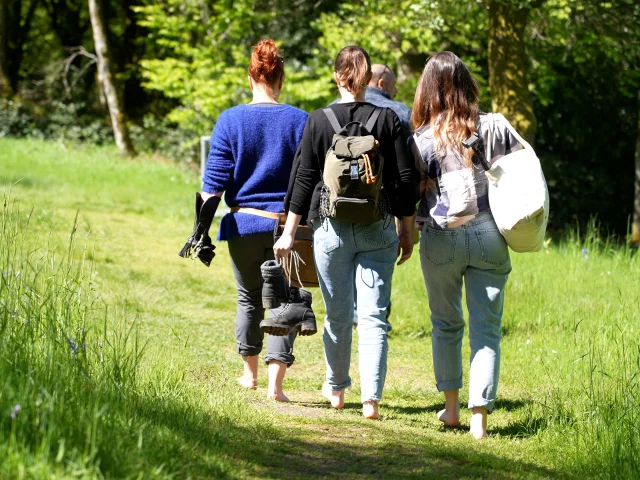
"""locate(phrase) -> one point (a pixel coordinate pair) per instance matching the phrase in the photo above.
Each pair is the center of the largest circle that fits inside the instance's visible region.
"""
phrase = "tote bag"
(518, 194)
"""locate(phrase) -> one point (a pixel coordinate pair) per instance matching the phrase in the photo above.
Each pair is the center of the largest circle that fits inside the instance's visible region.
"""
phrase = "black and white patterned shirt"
(452, 193)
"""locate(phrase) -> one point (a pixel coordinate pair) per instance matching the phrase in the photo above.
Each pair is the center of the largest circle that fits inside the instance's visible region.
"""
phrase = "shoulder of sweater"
(239, 113)
(296, 110)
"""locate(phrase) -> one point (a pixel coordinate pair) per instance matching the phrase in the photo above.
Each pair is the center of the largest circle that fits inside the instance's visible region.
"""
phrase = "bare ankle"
(248, 382)
(370, 409)
(336, 398)
(478, 424)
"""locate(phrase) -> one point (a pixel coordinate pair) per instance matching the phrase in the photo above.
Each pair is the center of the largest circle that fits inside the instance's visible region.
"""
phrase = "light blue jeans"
(356, 256)
(477, 254)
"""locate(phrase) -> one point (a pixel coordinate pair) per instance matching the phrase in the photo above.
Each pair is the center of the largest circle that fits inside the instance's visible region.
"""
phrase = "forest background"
(565, 72)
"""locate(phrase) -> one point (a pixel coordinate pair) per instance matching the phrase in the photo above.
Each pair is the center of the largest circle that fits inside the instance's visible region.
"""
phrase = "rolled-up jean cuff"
(488, 404)
(280, 357)
(449, 385)
(373, 398)
(247, 351)
(341, 387)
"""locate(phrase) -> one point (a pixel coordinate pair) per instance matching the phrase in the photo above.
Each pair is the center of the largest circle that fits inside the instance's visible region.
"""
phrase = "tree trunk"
(105, 78)
(6, 91)
(635, 227)
(507, 66)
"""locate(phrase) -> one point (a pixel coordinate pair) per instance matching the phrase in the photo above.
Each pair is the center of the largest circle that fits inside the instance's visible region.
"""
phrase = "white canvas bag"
(518, 194)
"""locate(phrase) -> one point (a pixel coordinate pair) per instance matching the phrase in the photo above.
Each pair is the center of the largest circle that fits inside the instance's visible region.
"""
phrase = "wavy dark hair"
(447, 99)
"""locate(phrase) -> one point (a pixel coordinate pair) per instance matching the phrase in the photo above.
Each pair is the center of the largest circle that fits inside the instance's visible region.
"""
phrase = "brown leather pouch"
(306, 275)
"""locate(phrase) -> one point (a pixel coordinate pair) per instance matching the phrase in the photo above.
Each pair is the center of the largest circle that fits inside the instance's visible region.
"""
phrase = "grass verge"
(121, 356)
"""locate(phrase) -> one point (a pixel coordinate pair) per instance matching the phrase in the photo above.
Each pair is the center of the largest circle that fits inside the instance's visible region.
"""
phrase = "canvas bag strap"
(483, 160)
(372, 119)
(333, 120)
(522, 141)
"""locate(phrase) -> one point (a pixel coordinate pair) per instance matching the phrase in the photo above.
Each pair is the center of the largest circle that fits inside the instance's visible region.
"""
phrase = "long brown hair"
(352, 66)
(447, 99)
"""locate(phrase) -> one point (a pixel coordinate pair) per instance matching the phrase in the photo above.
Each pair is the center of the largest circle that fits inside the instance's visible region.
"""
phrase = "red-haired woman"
(252, 150)
(460, 242)
(353, 255)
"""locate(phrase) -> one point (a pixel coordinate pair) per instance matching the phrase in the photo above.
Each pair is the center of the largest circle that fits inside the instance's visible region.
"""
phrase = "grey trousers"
(248, 253)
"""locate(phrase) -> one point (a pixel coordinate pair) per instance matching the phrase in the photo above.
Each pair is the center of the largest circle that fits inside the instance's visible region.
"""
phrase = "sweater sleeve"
(307, 173)
(408, 178)
(218, 173)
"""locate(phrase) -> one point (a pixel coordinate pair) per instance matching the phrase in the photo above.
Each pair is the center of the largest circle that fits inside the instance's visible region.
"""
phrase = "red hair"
(267, 64)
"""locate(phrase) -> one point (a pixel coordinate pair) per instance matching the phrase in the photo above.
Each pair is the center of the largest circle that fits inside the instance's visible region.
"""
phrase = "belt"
(255, 211)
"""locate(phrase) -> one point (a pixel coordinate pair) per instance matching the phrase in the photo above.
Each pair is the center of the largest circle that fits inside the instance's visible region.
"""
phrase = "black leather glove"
(199, 243)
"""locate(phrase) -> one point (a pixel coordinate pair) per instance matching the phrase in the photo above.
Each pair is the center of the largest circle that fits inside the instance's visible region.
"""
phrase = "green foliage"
(584, 78)
(192, 57)
(57, 120)
(207, 54)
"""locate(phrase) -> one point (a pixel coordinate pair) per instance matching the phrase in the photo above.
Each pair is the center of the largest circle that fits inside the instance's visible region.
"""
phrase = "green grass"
(89, 252)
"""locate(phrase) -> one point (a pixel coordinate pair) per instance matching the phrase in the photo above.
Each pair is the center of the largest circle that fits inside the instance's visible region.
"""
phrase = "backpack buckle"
(353, 170)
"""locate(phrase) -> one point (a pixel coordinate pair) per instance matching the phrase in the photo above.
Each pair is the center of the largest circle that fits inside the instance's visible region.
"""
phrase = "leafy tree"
(105, 76)
(15, 23)
(508, 63)
(205, 61)
(585, 78)
(403, 33)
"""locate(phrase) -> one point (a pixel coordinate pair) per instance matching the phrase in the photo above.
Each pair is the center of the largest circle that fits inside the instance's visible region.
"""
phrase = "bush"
(56, 120)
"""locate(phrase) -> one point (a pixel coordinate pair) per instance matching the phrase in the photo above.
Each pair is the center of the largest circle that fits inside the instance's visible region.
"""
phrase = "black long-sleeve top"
(399, 177)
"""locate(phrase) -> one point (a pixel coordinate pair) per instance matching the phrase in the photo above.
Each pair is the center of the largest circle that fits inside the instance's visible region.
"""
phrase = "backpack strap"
(333, 120)
(479, 150)
(372, 119)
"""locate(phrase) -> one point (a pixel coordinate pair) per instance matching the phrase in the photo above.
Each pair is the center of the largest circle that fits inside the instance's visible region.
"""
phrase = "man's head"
(383, 78)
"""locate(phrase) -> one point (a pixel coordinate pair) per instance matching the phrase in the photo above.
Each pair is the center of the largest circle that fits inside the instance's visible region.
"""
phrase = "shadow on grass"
(524, 429)
(185, 442)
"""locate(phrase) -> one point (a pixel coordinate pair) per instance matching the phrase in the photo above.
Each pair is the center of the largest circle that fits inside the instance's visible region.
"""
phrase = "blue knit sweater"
(252, 150)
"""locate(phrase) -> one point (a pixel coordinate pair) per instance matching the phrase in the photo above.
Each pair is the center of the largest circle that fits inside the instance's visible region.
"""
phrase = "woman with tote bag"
(460, 241)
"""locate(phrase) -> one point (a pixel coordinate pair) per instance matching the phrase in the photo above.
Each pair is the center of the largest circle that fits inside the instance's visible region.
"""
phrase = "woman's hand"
(405, 234)
(283, 246)
(405, 247)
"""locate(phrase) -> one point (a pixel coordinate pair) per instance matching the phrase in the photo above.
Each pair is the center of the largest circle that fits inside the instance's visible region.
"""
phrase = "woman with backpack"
(355, 239)
(252, 151)
(460, 242)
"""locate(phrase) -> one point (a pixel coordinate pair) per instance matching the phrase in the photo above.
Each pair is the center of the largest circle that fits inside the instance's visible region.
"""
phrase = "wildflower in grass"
(15, 411)
(585, 253)
(73, 345)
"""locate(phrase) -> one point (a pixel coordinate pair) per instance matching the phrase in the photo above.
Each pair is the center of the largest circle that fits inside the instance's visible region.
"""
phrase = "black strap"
(333, 120)
(372, 119)
(479, 152)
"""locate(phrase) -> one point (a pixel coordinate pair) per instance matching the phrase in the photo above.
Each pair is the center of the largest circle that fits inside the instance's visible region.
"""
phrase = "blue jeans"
(477, 253)
(360, 257)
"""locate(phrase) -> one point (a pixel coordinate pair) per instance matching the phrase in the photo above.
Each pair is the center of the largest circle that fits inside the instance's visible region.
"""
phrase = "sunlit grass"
(95, 239)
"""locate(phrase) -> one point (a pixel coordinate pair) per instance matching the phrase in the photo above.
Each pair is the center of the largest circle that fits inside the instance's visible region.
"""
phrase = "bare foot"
(449, 418)
(278, 397)
(478, 426)
(250, 377)
(336, 398)
(248, 382)
(370, 410)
